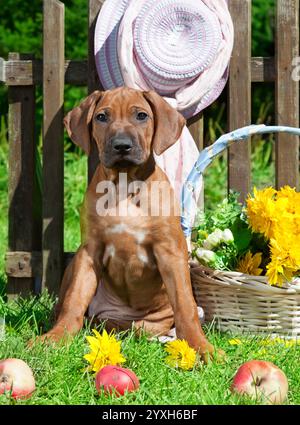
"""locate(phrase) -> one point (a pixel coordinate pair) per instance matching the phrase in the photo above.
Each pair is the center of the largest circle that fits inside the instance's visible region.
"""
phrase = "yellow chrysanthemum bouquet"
(260, 238)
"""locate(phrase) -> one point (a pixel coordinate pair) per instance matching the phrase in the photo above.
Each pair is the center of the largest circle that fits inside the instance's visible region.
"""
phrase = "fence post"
(21, 121)
(287, 92)
(53, 152)
(93, 80)
(240, 95)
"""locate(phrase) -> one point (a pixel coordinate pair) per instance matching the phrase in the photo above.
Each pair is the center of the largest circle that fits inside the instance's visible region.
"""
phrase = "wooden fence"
(35, 255)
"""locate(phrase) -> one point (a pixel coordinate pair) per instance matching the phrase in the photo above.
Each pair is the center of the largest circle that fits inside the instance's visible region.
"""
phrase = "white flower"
(214, 239)
(227, 236)
(205, 255)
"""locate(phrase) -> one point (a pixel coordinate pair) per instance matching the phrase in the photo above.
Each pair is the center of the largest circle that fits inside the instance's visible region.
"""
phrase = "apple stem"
(257, 381)
(4, 378)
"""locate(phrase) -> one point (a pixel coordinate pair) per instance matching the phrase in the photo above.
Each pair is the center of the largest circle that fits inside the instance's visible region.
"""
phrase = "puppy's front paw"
(210, 353)
(52, 337)
(220, 356)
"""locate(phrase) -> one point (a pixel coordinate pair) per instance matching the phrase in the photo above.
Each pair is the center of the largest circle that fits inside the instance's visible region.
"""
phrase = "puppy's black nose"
(122, 145)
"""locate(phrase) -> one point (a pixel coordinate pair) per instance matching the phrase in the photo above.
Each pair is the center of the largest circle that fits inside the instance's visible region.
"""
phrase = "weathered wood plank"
(20, 264)
(196, 127)
(53, 153)
(93, 80)
(262, 70)
(21, 161)
(28, 264)
(29, 72)
(287, 92)
(240, 96)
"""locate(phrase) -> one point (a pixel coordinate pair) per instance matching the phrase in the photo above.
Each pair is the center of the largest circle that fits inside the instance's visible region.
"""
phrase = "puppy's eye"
(101, 117)
(141, 116)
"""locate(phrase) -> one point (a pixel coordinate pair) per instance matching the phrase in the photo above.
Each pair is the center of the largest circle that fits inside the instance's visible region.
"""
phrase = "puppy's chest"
(127, 251)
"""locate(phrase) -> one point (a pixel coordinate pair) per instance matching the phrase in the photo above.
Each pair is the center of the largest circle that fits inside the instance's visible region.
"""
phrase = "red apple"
(16, 377)
(116, 379)
(261, 380)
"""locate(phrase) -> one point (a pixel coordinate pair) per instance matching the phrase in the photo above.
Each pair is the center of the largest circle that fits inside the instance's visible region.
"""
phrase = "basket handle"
(193, 182)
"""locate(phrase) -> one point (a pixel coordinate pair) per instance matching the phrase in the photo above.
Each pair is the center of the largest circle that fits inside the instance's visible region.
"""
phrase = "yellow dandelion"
(235, 341)
(250, 263)
(105, 350)
(180, 354)
(287, 343)
(291, 343)
(262, 352)
(266, 342)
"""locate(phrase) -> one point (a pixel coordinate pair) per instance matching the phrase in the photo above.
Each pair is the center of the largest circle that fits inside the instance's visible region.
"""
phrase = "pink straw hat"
(179, 48)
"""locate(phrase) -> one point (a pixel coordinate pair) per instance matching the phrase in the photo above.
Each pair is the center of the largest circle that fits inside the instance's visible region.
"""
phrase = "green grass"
(59, 371)
(75, 186)
(61, 377)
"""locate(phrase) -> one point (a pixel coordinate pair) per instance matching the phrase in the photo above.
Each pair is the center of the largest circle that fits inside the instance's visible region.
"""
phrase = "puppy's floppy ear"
(168, 123)
(77, 121)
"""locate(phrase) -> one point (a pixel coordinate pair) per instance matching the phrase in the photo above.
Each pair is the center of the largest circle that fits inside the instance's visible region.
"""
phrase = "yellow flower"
(235, 341)
(276, 215)
(291, 343)
(275, 273)
(262, 352)
(202, 234)
(262, 211)
(105, 350)
(287, 343)
(249, 264)
(285, 259)
(292, 197)
(180, 354)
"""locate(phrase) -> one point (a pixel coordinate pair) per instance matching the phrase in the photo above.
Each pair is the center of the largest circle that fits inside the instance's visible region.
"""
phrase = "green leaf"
(242, 235)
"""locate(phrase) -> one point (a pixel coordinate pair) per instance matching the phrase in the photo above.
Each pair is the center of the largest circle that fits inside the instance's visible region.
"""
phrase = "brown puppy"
(139, 258)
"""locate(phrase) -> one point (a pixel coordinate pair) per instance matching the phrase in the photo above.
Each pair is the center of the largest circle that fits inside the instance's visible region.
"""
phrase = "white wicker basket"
(239, 302)
(236, 301)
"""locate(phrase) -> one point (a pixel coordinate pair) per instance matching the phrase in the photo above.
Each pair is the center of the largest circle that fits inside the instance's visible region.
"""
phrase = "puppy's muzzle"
(122, 151)
(122, 146)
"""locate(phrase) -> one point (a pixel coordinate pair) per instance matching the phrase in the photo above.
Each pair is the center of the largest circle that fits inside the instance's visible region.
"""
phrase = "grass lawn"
(60, 371)
(61, 378)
